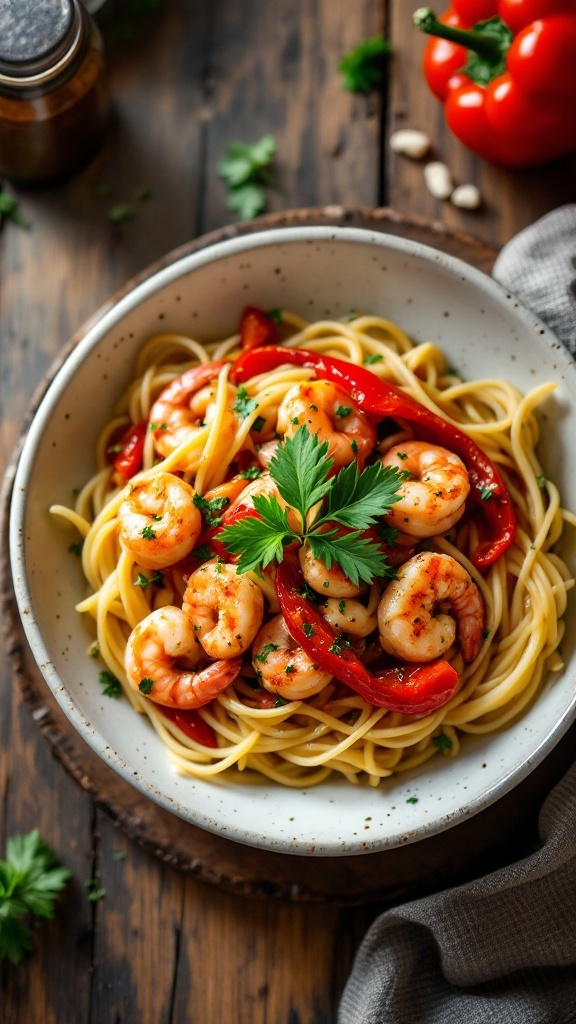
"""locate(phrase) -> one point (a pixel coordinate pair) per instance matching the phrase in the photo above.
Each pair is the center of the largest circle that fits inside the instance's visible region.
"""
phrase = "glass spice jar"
(53, 92)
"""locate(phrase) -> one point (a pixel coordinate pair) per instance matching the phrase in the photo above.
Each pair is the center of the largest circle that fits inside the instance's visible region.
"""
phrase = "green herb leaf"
(29, 884)
(486, 493)
(259, 541)
(363, 67)
(10, 210)
(360, 499)
(111, 686)
(259, 424)
(252, 473)
(145, 686)
(300, 470)
(442, 742)
(541, 481)
(359, 558)
(148, 533)
(245, 171)
(156, 579)
(244, 405)
(120, 213)
(374, 358)
(211, 508)
(266, 650)
(275, 315)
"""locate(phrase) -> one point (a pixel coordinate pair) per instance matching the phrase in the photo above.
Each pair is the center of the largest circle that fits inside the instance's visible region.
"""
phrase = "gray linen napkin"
(500, 949)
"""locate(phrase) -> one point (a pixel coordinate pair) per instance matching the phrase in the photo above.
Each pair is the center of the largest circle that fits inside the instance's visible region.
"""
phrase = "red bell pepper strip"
(128, 460)
(503, 70)
(256, 329)
(408, 689)
(192, 725)
(488, 496)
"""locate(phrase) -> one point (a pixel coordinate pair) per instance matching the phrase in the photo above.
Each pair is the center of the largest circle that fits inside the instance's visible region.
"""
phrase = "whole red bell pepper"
(488, 499)
(408, 689)
(504, 71)
(128, 453)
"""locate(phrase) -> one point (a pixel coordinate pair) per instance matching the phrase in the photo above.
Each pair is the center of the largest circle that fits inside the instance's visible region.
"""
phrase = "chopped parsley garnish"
(352, 499)
(308, 629)
(412, 800)
(363, 67)
(157, 426)
(486, 634)
(111, 686)
(202, 553)
(442, 742)
(76, 548)
(259, 424)
(252, 473)
(275, 315)
(354, 446)
(148, 533)
(211, 508)
(290, 669)
(94, 651)
(343, 410)
(340, 643)
(541, 481)
(246, 174)
(486, 493)
(120, 213)
(402, 455)
(373, 358)
(342, 606)
(156, 579)
(244, 405)
(266, 650)
(280, 702)
(145, 686)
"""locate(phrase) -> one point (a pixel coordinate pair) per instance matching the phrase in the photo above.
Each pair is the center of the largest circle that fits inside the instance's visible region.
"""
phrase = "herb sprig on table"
(30, 882)
(351, 499)
(246, 173)
(363, 67)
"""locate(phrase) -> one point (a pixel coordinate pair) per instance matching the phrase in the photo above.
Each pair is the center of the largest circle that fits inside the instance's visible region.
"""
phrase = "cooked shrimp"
(349, 616)
(413, 618)
(332, 415)
(160, 655)
(186, 405)
(158, 521)
(282, 666)
(434, 496)
(225, 609)
(330, 582)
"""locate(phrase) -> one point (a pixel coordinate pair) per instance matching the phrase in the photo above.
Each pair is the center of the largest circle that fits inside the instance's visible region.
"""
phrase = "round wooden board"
(498, 835)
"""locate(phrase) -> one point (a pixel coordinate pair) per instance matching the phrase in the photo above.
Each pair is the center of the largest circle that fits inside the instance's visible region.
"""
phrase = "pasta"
(256, 733)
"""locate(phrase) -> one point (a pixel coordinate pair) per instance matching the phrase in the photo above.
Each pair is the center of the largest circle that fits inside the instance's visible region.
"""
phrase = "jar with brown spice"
(53, 93)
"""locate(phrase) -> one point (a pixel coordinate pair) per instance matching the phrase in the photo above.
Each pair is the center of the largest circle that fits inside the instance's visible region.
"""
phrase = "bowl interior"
(318, 272)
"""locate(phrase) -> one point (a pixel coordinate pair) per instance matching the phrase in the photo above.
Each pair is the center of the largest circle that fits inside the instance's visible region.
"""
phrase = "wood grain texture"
(159, 947)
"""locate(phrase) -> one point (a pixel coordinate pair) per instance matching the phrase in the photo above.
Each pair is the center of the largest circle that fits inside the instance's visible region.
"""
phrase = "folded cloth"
(501, 949)
(539, 266)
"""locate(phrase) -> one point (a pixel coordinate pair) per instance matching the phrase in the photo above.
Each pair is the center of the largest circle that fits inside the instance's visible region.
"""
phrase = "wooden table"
(160, 947)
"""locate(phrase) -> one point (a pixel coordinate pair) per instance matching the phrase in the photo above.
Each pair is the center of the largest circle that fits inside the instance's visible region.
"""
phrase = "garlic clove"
(410, 142)
(466, 197)
(438, 180)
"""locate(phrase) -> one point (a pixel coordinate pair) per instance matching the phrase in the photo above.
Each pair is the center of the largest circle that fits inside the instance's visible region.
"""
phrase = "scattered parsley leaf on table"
(9, 209)
(300, 469)
(245, 172)
(29, 884)
(363, 67)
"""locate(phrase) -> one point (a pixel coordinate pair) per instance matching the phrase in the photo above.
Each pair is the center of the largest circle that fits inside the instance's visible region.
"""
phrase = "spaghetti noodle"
(218, 440)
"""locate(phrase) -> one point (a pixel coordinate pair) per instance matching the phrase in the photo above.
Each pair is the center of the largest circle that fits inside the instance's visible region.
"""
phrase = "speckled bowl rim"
(109, 315)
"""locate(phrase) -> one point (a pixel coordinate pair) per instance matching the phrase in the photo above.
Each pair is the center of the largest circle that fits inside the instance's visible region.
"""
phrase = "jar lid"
(35, 35)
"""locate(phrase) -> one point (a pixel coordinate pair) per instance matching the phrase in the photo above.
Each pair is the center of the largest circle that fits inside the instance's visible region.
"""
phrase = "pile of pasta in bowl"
(313, 549)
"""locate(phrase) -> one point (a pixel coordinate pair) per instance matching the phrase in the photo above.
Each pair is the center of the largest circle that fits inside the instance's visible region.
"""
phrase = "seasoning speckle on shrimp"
(432, 602)
(282, 666)
(433, 498)
(329, 412)
(225, 609)
(158, 522)
(161, 654)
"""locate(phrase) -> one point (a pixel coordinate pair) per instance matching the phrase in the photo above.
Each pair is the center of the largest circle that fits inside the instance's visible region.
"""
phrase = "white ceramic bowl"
(318, 271)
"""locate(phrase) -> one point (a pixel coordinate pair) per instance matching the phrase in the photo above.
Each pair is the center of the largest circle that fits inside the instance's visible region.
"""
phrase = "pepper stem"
(426, 20)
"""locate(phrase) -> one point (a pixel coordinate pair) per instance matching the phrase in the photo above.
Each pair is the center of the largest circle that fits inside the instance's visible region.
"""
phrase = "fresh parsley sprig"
(246, 173)
(301, 471)
(29, 884)
(363, 67)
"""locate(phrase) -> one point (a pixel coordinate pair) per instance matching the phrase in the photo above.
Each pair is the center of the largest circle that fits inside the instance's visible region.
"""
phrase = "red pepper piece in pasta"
(256, 329)
(488, 498)
(191, 724)
(128, 460)
(407, 689)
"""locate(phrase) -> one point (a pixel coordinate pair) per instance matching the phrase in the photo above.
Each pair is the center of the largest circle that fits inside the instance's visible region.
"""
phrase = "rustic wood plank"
(512, 199)
(274, 69)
